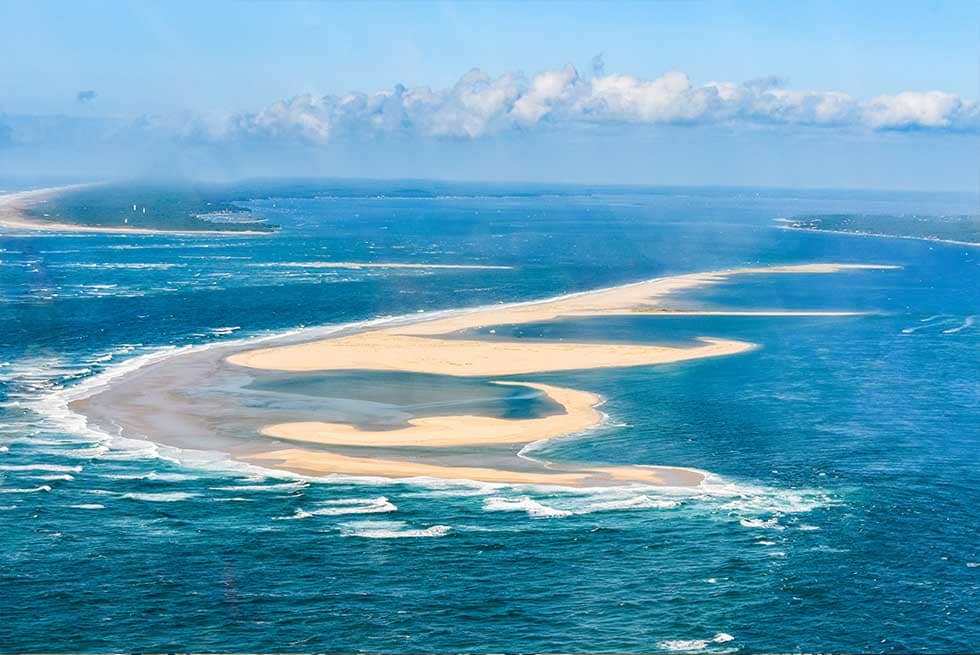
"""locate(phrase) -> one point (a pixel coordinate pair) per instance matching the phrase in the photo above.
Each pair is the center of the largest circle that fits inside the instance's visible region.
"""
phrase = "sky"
(873, 94)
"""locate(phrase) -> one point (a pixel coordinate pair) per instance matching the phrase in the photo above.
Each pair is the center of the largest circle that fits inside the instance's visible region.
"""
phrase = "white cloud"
(478, 105)
(933, 109)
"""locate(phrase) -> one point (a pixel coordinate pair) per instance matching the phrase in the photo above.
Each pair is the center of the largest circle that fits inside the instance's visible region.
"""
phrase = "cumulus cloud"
(933, 109)
(478, 105)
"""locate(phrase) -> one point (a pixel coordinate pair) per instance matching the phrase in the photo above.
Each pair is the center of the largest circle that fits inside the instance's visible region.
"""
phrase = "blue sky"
(199, 80)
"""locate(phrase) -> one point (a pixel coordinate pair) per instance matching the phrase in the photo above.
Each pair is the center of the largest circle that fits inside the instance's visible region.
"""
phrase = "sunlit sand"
(435, 347)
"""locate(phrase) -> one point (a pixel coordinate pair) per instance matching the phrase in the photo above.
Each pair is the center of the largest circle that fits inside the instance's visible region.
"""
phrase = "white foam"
(153, 475)
(690, 645)
(285, 486)
(88, 506)
(635, 502)
(298, 514)
(63, 477)
(772, 523)
(32, 490)
(379, 505)
(390, 530)
(685, 645)
(968, 322)
(167, 497)
(523, 504)
(55, 468)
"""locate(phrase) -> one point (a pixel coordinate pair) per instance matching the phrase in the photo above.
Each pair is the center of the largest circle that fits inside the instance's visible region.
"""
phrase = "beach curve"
(433, 346)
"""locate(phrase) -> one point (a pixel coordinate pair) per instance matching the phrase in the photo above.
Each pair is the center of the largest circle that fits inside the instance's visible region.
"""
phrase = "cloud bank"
(479, 105)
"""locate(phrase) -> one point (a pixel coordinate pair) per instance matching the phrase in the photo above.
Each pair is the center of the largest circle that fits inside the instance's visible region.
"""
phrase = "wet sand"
(229, 397)
(423, 347)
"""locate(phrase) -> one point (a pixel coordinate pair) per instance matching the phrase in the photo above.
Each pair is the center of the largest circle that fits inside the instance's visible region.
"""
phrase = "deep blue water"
(843, 516)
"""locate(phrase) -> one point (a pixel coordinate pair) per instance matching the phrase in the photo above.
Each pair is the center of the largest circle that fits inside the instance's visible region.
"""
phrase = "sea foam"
(390, 530)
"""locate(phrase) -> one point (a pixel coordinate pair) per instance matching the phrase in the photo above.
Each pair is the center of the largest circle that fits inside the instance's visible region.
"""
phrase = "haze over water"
(841, 515)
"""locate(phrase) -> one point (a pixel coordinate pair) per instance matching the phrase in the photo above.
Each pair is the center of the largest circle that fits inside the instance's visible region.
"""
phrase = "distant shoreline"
(13, 215)
(813, 230)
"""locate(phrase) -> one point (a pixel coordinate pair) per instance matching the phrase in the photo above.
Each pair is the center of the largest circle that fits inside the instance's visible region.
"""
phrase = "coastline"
(13, 216)
(417, 347)
(952, 242)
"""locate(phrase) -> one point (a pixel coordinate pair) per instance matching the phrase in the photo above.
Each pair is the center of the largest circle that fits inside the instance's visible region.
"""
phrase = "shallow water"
(841, 515)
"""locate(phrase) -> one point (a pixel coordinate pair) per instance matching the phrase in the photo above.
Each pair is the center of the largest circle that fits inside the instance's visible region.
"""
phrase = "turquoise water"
(842, 514)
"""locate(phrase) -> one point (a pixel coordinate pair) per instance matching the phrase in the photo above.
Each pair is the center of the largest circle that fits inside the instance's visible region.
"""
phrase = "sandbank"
(435, 347)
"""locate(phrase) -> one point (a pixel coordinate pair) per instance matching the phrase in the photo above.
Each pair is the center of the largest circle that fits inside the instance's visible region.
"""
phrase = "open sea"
(842, 513)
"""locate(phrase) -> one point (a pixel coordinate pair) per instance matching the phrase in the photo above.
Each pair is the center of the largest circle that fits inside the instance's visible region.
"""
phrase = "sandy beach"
(436, 347)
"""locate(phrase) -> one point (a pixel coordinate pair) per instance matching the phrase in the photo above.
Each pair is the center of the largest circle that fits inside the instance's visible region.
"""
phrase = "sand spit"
(13, 215)
(422, 347)
(439, 431)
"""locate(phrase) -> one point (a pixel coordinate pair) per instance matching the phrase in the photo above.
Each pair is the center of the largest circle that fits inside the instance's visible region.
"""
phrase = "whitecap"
(170, 497)
(635, 502)
(88, 506)
(970, 320)
(153, 475)
(685, 645)
(64, 477)
(772, 523)
(523, 504)
(92, 452)
(298, 514)
(285, 486)
(689, 645)
(390, 530)
(379, 505)
(43, 487)
(54, 468)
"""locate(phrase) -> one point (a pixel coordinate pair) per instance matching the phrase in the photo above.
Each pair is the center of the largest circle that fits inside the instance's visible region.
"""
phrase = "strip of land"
(879, 235)
(435, 347)
(14, 215)
(439, 431)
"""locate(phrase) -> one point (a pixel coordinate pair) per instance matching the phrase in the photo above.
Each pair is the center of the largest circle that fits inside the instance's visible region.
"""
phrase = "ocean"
(841, 513)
